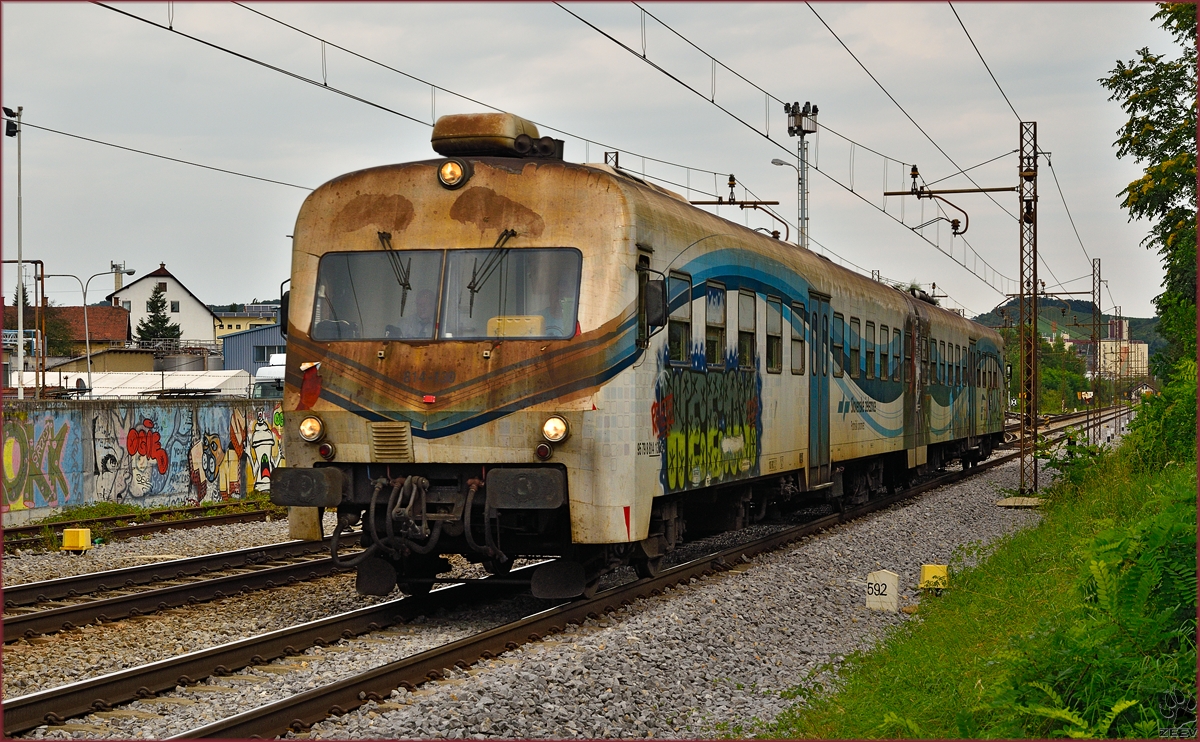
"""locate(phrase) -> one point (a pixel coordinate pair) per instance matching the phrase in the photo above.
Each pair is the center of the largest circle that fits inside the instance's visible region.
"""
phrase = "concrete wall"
(159, 453)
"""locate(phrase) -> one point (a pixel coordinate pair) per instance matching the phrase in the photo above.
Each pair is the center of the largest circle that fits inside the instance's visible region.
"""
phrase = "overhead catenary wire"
(787, 149)
(161, 157)
(981, 59)
(1049, 161)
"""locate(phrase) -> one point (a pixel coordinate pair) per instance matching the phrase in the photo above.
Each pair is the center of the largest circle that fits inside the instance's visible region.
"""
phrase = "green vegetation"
(157, 324)
(1084, 626)
(1159, 94)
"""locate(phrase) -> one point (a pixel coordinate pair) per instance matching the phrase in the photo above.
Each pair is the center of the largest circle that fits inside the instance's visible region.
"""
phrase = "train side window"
(746, 329)
(897, 374)
(714, 324)
(957, 365)
(883, 353)
(820, 350)
(679, 326)
(853, 342)
(798, 317)
(869, 344)
(839, 330)
(774, 335)
(942, 362)
(908, 351)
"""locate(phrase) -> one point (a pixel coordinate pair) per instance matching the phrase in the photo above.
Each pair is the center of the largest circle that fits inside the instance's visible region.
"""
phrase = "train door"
(818, 391)
(972, 391)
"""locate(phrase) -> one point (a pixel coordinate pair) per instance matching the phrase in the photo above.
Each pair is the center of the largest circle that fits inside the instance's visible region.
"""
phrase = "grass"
(133, 514)
(934, 677)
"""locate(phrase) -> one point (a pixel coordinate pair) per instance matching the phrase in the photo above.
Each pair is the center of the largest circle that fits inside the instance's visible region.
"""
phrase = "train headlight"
(454, 173)
(554, 429)
(312, 429)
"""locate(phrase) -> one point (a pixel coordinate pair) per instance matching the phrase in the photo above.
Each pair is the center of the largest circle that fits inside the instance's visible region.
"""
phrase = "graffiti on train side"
(149, 455)
(708, 424)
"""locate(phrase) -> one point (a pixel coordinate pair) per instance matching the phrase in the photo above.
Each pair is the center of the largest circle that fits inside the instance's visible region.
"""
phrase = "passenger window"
(714, 329)
(896, 355)
(824, 350)
(908, 361)
(798, 317)
(774, 335)
(679, 326)
(869, 344)
(853, 342)
(746, 329)
(839, 329)
(884, 373)
(942, 363)
(957, 365)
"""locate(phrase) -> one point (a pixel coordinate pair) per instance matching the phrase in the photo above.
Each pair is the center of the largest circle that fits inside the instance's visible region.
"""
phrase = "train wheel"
(649, 567)
(496, 567)
(590, 590)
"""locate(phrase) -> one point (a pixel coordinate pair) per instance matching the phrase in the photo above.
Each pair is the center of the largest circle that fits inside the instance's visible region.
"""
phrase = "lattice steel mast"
(1028, 317)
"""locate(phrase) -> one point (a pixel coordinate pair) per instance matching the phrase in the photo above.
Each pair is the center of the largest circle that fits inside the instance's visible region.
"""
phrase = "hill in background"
(1053, 319)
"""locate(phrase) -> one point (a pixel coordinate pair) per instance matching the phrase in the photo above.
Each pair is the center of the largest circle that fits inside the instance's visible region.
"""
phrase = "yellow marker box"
(77, 539)
(933, 577)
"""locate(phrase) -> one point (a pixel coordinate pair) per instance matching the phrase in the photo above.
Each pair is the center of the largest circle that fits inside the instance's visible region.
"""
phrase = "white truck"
(268, 380)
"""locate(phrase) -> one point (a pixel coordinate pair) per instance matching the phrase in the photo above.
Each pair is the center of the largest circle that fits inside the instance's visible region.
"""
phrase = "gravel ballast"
(697, 661)
(33, 566)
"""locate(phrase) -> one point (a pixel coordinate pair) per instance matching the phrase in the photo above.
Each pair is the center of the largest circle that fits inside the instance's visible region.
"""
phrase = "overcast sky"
(90, 71)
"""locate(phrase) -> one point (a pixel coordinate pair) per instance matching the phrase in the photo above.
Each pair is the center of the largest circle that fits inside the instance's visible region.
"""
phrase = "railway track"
(300, 711)
(34, 536)
(54, 605)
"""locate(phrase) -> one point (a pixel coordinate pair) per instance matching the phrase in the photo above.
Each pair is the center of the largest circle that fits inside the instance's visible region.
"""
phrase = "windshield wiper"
(481, 273)
(400, 269)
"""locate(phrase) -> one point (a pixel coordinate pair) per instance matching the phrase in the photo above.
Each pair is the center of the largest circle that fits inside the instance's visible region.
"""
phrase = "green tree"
(1159, 94)
(156, 324)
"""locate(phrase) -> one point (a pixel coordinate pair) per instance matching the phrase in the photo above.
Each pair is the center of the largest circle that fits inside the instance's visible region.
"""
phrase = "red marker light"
(429, 399)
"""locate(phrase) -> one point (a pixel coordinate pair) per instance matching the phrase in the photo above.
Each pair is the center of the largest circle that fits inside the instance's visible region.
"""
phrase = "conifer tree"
(156, 325)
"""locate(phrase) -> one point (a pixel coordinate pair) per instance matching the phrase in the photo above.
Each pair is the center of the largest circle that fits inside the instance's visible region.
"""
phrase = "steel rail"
(55, 705)
(30, 593)
(248, 578)
(158, 526)
(148, 517)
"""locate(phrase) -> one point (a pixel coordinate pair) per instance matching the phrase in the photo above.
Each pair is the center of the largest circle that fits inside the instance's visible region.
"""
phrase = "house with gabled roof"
(197, 322)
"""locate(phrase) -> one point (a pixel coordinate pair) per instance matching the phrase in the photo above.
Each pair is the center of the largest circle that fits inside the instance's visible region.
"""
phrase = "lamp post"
(12, 128)
(801, 121)
(799, 190)
(87, 335)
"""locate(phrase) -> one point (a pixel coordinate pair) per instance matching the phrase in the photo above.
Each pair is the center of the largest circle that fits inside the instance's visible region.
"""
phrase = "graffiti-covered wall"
(153, 454)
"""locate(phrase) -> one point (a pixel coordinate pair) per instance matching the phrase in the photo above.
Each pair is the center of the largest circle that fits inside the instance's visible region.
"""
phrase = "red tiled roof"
(104, 323)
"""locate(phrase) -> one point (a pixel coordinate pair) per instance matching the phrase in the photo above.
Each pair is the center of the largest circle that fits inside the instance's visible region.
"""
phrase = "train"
(501, 354)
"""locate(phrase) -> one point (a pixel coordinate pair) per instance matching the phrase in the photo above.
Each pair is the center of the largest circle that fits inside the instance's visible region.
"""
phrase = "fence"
(156, 453)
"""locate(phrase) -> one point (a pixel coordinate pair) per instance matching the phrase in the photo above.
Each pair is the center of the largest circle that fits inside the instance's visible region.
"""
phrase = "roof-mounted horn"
(492, 135)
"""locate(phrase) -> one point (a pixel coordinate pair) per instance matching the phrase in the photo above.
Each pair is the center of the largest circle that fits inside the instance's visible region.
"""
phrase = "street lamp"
(87, 335)
(778, 161)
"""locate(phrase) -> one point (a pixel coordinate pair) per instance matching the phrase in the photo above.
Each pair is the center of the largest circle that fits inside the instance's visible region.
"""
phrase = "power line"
(161, 157)
(1067, 208)
(906, 114)
(787, 149)
(981, 59)
(1014, 110)
(960, 172)
(405, 74)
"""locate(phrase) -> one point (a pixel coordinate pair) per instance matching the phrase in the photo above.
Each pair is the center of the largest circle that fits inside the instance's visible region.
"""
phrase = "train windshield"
(377, 295)
(529, 293)
(396, 294)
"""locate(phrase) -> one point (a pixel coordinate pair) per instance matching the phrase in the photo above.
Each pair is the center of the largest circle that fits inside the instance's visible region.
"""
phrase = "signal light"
(543, 451)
